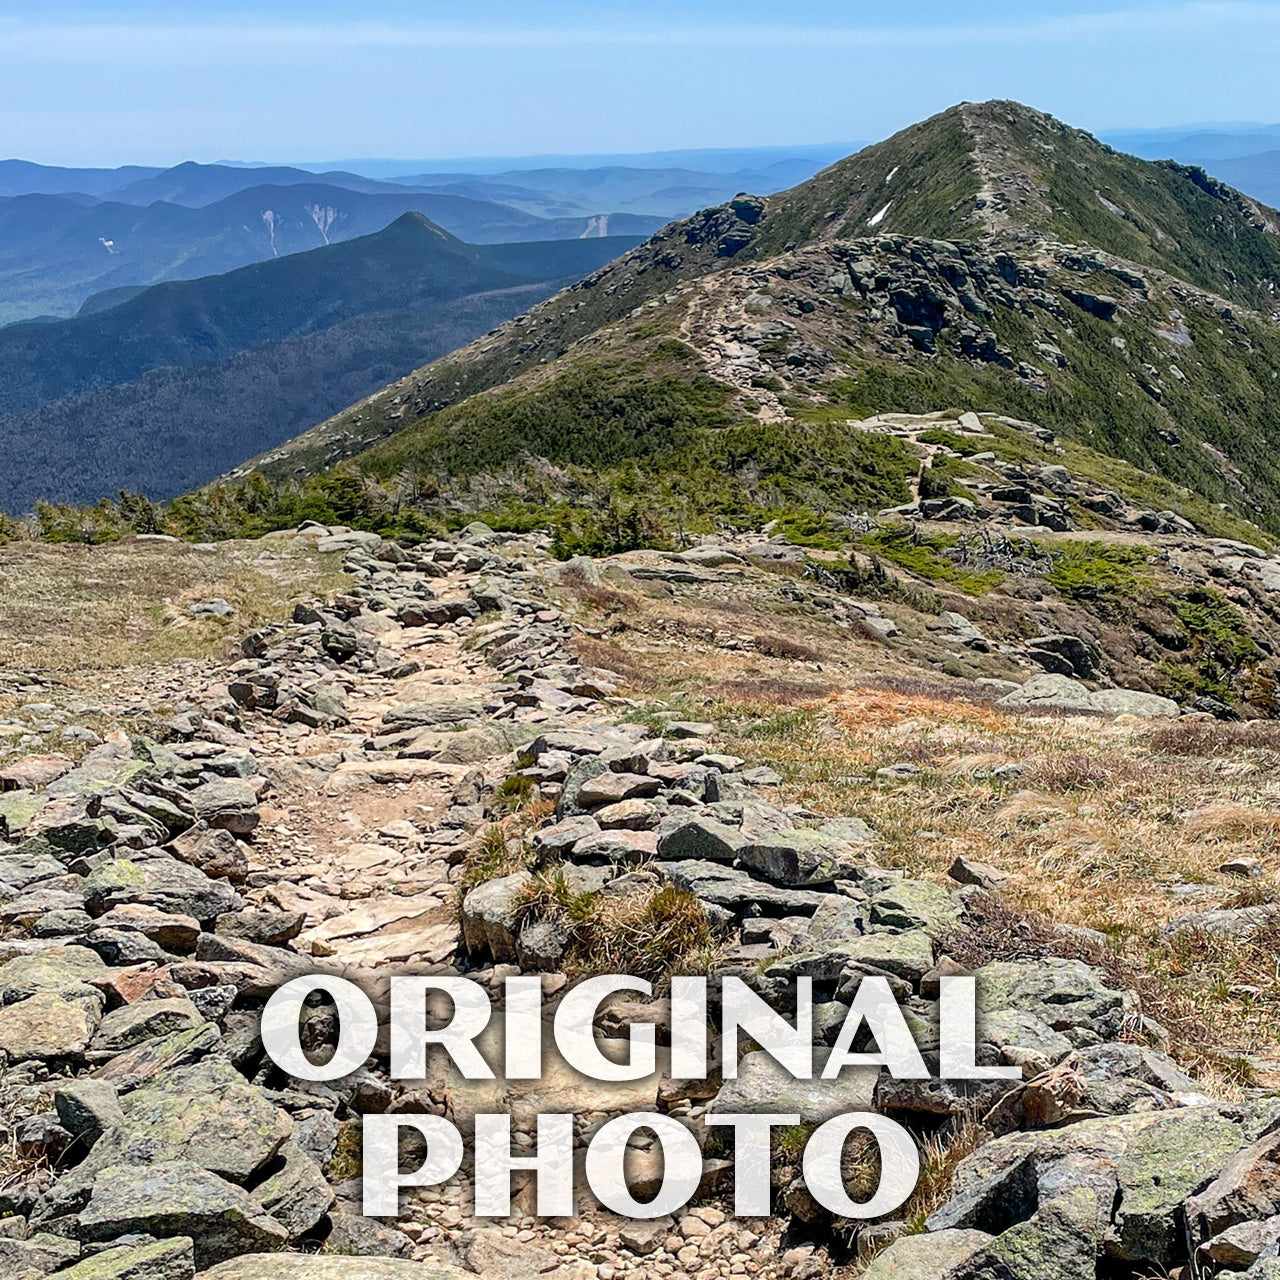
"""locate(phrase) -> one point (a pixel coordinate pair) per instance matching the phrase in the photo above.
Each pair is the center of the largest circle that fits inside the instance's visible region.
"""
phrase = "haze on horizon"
(161, 81)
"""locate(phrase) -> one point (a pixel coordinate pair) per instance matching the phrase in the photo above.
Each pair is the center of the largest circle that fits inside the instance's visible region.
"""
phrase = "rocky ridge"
(317, 803)
(989, 257)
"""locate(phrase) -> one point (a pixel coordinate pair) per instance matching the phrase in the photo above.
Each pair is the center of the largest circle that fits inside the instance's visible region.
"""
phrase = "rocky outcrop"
(1061, 693)
(1118, 1188)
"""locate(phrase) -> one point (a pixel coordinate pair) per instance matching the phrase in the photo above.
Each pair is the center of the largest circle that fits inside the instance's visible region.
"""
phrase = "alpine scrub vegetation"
(651, 935)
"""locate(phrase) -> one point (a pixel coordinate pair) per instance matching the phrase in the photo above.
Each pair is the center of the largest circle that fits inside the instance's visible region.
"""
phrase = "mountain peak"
(1003, 172)
(420, 221)
(947, 177)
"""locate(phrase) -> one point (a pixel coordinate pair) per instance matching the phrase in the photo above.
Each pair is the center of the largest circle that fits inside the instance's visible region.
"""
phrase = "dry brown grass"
(779, 646)
(939, 1159)
(1232, 821)
(1215, 738)
(578, 585)
(638, 675)
(1094, 830)
(68, 609)
(1255, 893)
(1115, 825)
(1001, 932)
(737, 641)
(1186, 986)
(913, 706)
(1082, 771)
(772, 691)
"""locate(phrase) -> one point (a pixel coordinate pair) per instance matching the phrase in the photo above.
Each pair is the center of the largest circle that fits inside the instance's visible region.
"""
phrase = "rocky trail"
(421, 775)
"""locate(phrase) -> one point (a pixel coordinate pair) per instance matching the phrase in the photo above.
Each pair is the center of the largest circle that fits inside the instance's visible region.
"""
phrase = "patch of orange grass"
(1095, 831)
(865, 710)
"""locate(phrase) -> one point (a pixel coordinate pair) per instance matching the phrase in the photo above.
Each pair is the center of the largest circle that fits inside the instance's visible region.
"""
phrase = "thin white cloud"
(81, 94)
(1257, 16)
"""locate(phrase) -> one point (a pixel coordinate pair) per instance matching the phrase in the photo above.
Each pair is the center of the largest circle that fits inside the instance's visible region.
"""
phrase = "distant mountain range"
(570, 192)
(703, 159)
(196, 185)
(1209, 142)
(56, 250)
(68, 233)
(1248, 158)
(1258, 175)
(163, 388)
(22, 178)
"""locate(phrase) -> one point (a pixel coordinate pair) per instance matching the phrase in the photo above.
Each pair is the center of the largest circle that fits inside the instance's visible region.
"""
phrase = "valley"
(162, 389)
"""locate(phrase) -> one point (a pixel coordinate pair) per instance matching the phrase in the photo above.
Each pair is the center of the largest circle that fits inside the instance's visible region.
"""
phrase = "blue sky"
(150, 82)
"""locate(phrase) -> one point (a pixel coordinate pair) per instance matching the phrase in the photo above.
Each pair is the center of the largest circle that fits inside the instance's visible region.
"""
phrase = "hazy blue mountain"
(1197, 145)
(410, 263)
(171, 429)
(665, 192)
(22, 178)
(166, 388)
(195, 185)
(1209, 148)
(55, 251)
(703, 159)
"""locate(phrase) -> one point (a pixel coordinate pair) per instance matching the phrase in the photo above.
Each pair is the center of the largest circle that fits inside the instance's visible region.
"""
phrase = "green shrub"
(922, 554)
(618, 528)
(810, 529)
(1216, 626)
(1221, 647)
(1098, 571)
(514, 792)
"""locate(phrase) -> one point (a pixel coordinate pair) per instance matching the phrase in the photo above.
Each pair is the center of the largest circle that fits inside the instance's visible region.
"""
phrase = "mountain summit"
(1007, 174)
(990, 258)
